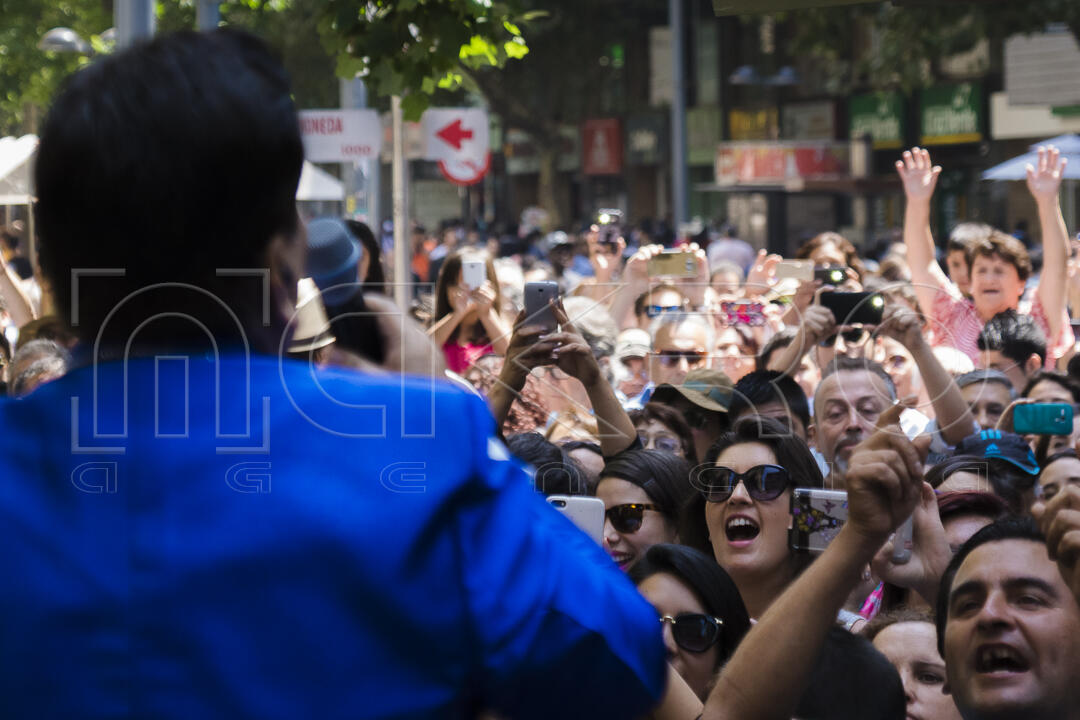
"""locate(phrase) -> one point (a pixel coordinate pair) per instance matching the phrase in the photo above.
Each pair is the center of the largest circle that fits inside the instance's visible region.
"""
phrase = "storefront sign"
(780, 163)
(702, 134)
(646, 138)
(762, 124)
(952, 114)
(522, 157)
(810, 121)
(601, 146)
(340, 135)
(879, 115)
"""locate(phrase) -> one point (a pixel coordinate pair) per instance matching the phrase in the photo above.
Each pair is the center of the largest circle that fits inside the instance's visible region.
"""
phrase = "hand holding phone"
(538, 299)
(742, 312)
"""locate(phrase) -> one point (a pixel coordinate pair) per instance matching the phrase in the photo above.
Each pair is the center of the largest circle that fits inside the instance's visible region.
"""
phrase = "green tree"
(29, 77)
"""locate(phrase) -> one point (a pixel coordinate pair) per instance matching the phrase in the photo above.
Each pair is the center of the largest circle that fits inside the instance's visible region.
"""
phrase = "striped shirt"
(956, 324)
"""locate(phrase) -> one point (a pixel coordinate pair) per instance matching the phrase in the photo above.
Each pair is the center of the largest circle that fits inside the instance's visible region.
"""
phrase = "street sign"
(458, 139)
(340, 135)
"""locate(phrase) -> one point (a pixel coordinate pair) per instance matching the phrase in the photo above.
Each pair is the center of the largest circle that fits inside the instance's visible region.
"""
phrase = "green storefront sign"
(879, 115)
(952, 114)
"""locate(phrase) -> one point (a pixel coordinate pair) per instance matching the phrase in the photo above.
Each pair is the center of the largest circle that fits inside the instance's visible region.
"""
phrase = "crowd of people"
(385, 549)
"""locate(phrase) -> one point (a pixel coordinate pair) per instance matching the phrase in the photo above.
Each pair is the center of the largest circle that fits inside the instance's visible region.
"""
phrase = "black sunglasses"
(763, 482)
(627, 518)
(693, 631)
(671, 358)
(854, 336)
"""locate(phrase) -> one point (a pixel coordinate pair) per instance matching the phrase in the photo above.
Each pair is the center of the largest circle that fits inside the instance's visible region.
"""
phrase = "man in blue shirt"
(195, 527)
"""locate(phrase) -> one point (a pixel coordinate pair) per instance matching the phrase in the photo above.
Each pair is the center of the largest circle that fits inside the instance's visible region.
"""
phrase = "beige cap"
(311, 327)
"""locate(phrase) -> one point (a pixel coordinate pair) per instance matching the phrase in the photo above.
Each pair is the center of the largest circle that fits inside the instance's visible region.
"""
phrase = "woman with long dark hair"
(466, 323)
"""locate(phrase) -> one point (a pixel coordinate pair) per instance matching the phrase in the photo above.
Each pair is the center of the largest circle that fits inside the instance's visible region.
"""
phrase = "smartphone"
(901, 547)
(801, 270)
(585, 512)
(673, 263)
(537, 309)
(473, 273)
(1043, 419)
(851, 308)
(742, 312)
(831, 274)
(816, 517)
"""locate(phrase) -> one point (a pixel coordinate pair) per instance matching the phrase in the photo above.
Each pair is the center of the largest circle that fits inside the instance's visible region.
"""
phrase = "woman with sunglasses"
(741, 512)
(704, 617)
(642, 492)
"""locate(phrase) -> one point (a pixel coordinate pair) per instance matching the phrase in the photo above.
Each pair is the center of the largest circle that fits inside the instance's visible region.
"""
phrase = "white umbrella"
(1016, 169)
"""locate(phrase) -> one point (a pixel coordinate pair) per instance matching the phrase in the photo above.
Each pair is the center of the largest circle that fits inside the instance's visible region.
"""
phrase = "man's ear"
(285, 259)
(811, 435)
(1031, 365)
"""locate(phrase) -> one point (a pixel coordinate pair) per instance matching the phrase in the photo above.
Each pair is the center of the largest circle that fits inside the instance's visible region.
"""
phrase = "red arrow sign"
(453, 134)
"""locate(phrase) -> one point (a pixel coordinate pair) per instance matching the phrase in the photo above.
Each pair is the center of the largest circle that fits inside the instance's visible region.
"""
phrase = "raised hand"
(903, 324)
(484, 297)
(884, 480)
(918, 174)
(572, 353)
(930, 552)
(529, 348)
(1044, 181)
(762, 275)
(1059, 521)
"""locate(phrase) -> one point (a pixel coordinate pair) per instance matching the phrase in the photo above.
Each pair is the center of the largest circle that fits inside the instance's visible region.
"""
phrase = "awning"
(316, 184)
(1016, 169)
(16, 169)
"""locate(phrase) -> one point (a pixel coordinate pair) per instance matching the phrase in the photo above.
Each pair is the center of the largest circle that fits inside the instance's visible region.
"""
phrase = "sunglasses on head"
(763, 482)
(671, 358)
(658, 310)
(852, 336)
(627, 518)
(694, 631)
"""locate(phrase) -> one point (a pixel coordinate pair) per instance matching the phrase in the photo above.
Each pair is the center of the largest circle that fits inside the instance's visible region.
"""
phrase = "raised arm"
(954, 419)
(1044, 182)
(769, 671)
(920, 177)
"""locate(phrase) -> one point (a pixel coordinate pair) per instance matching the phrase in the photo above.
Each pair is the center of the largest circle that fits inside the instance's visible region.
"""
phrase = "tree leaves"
(415, 48)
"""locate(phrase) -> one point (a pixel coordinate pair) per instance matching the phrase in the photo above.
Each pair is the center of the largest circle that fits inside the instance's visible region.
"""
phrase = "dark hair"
(965, 235)
(1006, 481)
(1015, 336)
(852, 680)
(1006, 247)
(135, 145)
(843, 363)
(983, 504)
(556, 472)
(851, 255)
(1065, 381)
(448, 275)
(769, 386)
(375, 281)
(986, 376)
(709, 582)
(940, 472)
(1014, 527)
(664, 477)
(780, 340)
(894, 617)
(670, 418)
(791, 454)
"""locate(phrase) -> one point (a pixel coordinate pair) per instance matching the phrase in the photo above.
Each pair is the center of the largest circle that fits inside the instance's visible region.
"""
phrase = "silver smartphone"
(585, 512)
(538, 311)
(901, 548)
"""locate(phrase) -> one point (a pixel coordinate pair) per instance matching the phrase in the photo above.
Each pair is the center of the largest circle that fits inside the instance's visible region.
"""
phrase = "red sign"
(778, 163)
(601, 144)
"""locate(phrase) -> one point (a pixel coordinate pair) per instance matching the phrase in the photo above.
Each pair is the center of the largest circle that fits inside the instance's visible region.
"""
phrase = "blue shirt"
(295, 546)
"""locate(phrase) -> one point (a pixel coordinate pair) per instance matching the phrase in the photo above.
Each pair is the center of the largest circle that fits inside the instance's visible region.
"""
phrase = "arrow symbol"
(453, 134)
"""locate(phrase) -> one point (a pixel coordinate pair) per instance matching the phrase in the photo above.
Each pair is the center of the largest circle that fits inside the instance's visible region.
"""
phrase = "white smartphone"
(473, 273)
(585, 512)
(537, 309)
